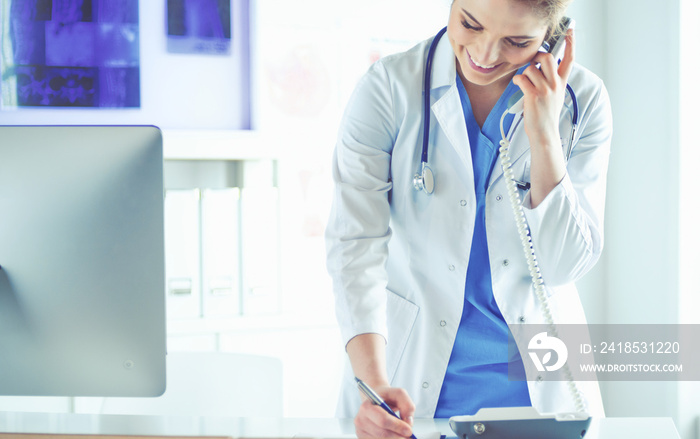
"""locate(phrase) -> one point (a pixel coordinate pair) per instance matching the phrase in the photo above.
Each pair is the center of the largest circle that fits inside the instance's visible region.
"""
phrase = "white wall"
(689, 303)
(648, 273)
(642, 66)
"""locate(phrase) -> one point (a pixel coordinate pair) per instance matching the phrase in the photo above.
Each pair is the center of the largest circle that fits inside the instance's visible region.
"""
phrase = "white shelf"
(219, 325)
(218, 145)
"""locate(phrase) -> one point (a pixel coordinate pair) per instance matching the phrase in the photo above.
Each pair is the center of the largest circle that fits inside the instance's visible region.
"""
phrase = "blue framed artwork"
(85, 62)
(70, 53)
(199, 26)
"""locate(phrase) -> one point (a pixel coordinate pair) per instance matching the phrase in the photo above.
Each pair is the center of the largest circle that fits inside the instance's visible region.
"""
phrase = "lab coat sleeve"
(358, 231)
(567, 227)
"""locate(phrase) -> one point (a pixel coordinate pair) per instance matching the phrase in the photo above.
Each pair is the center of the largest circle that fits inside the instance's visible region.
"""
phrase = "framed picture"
(180, 64)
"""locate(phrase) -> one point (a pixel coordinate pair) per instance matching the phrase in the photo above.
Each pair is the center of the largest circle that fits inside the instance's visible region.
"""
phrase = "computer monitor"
(82, 277)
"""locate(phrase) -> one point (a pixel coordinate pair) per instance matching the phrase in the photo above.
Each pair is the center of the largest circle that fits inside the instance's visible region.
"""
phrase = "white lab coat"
(399, 257)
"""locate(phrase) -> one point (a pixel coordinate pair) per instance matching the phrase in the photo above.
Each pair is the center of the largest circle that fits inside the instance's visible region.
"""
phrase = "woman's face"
(493, 38)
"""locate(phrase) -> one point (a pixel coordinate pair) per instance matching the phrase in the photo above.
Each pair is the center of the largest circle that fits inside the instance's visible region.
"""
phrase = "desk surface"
(82, 424)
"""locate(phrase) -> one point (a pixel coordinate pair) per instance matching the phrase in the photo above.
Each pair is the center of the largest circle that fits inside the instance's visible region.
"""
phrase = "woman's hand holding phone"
(544, 90)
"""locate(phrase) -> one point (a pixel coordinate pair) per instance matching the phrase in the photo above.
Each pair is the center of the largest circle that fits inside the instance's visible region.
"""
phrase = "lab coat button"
(443, 323)
(539, 378)
(451, 267)
(426, 385)
(521, 319)
(463, 203)
(506, 262)
(499, 197)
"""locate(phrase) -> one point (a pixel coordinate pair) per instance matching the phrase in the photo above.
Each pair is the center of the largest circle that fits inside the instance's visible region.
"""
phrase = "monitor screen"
(82, 271)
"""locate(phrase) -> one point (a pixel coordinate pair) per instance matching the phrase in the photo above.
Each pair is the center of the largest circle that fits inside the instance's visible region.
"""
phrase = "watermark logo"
(609, 352)
(544, 342)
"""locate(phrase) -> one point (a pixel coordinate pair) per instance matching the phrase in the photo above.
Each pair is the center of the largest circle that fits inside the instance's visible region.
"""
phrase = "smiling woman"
(428, 287)
(491, 48)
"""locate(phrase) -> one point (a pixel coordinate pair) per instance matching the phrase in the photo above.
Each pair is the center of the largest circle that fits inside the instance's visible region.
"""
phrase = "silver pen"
(376, 399)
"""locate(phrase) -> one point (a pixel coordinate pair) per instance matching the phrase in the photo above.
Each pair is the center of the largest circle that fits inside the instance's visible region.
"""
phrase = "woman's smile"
(480, 67)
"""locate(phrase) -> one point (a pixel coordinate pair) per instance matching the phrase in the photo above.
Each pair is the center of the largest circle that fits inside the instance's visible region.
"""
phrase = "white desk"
(80, 424)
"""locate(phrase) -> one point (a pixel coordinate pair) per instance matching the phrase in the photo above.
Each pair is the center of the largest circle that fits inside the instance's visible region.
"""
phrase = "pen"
(376, 399)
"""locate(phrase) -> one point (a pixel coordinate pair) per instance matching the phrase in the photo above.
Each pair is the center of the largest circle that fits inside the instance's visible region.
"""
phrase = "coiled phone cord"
(531, 258)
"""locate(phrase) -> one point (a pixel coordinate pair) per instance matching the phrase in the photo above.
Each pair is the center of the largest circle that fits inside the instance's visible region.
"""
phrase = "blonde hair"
(552, 11)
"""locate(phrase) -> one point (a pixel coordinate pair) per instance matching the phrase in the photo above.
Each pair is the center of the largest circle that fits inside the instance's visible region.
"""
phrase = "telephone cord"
(528, 248)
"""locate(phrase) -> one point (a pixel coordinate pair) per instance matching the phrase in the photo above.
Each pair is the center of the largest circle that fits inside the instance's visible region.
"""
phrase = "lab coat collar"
(444, 65)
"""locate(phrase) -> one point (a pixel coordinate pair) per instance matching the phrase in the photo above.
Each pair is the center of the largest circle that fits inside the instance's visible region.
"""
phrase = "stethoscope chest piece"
(424, 181)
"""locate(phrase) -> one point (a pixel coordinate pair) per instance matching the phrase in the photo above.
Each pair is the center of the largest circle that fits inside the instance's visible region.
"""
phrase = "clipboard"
(521, 423)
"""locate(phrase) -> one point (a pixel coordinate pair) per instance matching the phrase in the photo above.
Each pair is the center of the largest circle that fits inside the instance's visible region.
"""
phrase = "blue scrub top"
(477, 373)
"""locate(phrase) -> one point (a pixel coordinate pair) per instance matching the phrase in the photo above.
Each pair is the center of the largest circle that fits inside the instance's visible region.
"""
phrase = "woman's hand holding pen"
(367, 354)
(374, 422)
(545, 89)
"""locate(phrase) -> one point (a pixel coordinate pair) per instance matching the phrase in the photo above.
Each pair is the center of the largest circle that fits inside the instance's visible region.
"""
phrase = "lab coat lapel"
(449, 115)
(447, 109)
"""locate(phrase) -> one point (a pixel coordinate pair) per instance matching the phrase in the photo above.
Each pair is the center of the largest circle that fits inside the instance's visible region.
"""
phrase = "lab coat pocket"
(401, 317)
(522, 174)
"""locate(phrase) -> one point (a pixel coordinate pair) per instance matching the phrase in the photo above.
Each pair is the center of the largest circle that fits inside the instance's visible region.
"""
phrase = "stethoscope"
(424, 180)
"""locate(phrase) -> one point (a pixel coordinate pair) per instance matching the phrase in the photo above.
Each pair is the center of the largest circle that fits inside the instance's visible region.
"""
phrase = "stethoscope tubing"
(426, 93)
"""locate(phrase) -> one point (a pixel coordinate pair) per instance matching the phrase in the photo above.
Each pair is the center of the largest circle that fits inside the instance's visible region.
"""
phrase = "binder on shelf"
(221, 274)
(182, 253)
(261, 246)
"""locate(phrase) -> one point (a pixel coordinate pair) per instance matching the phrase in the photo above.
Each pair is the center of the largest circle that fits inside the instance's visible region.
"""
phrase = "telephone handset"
(555, 45)
(526, 422)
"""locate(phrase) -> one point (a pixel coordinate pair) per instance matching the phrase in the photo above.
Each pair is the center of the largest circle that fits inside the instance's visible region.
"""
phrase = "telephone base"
(521, 423)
